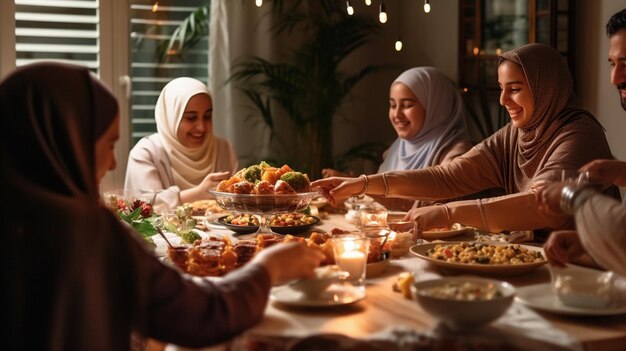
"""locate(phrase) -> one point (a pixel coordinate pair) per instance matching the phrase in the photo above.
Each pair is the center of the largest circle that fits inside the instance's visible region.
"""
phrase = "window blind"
(148, 75)
(65, 31)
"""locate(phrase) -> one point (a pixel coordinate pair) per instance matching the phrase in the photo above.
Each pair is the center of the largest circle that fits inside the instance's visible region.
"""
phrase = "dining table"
(386, 320)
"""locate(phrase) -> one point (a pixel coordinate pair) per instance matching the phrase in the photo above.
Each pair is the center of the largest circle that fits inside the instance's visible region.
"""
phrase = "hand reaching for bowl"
(337, 189)
(289, 261)
(563, 246)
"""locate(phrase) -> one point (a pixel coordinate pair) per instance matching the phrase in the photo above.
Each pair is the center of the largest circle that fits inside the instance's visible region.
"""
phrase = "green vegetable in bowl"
(252, 174)
(190, 236)
(298, 181)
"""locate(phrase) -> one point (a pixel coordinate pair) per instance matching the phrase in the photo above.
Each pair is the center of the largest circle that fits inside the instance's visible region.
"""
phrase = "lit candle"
(353, 262)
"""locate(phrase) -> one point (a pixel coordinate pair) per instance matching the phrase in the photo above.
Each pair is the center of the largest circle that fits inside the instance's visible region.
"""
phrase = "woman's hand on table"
(289, 261)
(562, 247)
(337, 189)
(429, 217)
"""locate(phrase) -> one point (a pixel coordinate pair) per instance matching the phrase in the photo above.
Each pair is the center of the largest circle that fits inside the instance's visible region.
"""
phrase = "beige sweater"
(601, 224)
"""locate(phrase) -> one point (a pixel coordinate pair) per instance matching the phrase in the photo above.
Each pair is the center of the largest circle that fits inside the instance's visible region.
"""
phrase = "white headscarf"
(189, 165)
(444, 122)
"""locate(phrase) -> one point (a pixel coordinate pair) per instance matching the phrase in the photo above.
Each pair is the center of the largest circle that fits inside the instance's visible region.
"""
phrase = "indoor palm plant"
(309, 86)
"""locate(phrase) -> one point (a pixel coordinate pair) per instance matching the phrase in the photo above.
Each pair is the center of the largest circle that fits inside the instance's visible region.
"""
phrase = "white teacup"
(583, 287)
(313, 288)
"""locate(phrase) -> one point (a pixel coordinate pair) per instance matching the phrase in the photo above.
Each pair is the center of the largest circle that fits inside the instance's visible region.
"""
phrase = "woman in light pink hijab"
(184, 158)
(426, 111)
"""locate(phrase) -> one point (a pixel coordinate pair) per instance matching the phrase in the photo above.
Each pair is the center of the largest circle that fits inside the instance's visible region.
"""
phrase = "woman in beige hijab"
(183, 159)
(548, 133)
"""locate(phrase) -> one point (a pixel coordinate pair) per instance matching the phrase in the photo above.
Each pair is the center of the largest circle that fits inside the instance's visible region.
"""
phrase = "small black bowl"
(247, 229)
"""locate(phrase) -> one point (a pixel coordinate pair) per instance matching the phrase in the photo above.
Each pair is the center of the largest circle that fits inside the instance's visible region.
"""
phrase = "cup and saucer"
(328, 288)
(577, 291)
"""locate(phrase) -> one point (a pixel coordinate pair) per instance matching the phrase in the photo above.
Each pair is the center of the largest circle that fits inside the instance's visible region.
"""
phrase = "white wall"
(595, 90)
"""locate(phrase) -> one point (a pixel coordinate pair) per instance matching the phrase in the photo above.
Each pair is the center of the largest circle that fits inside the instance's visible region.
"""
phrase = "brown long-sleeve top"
(492, 164)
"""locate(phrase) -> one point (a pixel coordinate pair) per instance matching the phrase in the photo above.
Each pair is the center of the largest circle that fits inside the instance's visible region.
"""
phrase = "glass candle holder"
(373, 216)
(351, 256)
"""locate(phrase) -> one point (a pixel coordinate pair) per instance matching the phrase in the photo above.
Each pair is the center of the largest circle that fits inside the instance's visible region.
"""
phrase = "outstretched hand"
(337, 189)
(289, 261)
(606, 172)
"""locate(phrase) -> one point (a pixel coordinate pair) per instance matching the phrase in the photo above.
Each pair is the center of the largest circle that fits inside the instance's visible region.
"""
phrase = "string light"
(426, 6)
(349, 8)
(382, 13)
(155, 6)
(368, 2)
(258, 3)
(398, 45)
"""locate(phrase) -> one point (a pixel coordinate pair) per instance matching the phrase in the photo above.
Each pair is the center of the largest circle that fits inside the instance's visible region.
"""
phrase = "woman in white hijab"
(183, 159)
(427, 113)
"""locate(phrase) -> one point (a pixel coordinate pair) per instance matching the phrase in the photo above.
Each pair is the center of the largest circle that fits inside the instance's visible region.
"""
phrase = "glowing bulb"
(155, 6)
(398, 44)
(498, 51)
(258, 3)
(475, 51)
(349, 8)
(382, 14)
(382, 17)
(368, 2)
(426, 7)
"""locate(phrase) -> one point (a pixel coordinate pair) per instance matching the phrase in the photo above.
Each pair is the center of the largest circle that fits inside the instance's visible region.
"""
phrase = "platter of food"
(481, 258)
(443, 233)
(289, 223)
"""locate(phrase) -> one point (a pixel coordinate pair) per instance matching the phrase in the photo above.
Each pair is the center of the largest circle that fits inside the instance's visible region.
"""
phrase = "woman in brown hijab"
(548, 133)
(73, 277)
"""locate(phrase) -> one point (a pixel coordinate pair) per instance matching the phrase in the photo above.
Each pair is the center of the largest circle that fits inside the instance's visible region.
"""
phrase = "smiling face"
(515, 93)
(617, 60)
(406, 113)
(105, 149)
(196, 122)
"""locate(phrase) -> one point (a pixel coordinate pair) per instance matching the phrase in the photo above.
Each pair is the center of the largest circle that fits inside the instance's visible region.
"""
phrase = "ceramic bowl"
(464, 303)
(583, 287)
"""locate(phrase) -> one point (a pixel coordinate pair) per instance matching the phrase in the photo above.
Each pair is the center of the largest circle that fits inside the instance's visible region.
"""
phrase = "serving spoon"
(164, 237)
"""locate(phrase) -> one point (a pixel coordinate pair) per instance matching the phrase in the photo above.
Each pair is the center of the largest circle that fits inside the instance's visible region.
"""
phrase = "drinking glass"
(373, 216)
(576, 177)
